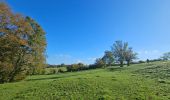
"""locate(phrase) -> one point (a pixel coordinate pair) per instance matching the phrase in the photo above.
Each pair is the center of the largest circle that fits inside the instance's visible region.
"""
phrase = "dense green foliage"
(137, 82)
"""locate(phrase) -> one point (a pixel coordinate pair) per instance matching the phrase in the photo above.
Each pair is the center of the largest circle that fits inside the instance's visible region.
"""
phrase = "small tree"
(108, 58)
(147, 61)
(166, 56)
(99, 63)
(119, 50)
(130, 55)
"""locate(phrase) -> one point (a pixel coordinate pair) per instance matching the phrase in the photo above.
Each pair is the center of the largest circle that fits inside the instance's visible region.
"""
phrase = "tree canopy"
(122, 52)
(119, 49)
(130, 55)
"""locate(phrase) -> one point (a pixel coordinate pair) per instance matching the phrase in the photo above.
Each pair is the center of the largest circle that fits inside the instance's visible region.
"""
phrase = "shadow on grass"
(65, 75)
(50, 78)
(114, 69)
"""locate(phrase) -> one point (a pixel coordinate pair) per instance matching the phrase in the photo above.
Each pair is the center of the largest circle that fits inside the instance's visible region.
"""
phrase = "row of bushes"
(52, 69)
(80, 67)
(49, 71)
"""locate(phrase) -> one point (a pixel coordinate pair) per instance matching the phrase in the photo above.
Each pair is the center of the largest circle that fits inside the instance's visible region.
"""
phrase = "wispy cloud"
(149, 54)
(60, 58)
(92, 59)
(69, 59)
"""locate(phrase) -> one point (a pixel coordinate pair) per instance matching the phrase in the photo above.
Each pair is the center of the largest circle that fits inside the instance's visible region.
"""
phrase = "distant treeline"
(81, 66)
(75, 67)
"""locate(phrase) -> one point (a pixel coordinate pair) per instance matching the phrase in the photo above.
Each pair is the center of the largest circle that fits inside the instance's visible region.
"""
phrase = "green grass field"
(137, 82)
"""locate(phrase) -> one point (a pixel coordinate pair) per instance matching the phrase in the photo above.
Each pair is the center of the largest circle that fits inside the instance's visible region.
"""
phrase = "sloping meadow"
(137, 82)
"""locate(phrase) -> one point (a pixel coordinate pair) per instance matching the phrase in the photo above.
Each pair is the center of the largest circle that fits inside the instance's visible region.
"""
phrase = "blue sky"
(81, 30)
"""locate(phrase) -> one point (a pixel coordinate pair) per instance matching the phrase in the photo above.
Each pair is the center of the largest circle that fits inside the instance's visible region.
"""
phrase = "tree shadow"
(50, 78)
(113, 69)
(67, 75)
(57, 76)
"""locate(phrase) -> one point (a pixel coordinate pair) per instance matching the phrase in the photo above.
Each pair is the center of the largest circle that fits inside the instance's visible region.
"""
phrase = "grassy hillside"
(137, 82)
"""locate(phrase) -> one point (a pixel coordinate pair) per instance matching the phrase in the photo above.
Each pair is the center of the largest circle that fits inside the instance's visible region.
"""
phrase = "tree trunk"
(128, 63)
(121, 63)
(17, 68)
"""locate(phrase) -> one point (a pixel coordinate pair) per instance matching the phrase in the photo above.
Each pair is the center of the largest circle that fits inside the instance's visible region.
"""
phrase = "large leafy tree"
(119, 49)
(17, 45)
(15, 51)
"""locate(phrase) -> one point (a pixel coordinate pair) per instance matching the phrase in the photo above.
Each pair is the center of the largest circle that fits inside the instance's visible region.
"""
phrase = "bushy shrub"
(141, 61)
(93, 66)
(49, 71)
(99, 63)
(20, 76)
(42, 72)
(53, 71)
(77, 67)
(61, 70)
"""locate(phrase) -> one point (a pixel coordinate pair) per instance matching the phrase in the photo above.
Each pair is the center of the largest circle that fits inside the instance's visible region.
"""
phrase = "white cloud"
(79, 61)
(92, 59)
(60, 58)
(149, 52)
